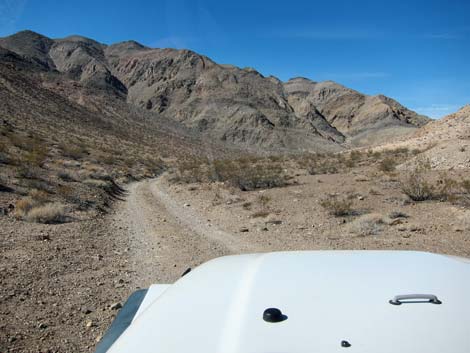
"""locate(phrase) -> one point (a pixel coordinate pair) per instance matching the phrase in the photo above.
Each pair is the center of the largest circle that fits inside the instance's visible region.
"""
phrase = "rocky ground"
(61, 285)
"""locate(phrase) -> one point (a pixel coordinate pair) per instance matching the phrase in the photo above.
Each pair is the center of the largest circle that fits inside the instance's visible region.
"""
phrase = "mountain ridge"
(234, 105)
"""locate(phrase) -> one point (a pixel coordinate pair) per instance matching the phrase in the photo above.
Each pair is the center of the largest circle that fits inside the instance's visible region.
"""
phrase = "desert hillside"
(222, 102)
(445, 142)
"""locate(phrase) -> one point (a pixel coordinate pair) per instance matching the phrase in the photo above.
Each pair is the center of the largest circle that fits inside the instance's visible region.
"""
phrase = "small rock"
(276, 222)
(89, 324)
(115, 306)
(244, 230)
(42, 326)
(396, 222)
(186, 205)
(360, 198)
(86, 310)
(264, 229)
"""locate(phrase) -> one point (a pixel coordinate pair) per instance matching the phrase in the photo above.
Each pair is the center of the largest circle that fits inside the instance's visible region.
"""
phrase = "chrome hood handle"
(414, 298)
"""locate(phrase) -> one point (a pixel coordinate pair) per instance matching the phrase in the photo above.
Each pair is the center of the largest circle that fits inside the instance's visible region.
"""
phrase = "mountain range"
(123, 83)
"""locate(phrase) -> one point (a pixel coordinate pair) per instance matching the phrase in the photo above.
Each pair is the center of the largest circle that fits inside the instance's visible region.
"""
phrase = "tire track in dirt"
(165, 238)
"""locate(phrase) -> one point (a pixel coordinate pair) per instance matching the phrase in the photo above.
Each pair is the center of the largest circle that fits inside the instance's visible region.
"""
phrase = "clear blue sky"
(417, 52)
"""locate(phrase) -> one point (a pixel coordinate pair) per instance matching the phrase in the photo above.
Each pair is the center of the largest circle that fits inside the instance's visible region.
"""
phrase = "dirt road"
(166, 237)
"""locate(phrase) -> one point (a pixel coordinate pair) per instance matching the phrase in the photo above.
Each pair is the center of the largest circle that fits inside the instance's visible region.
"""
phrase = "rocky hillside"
(220, 102)
(445, 142)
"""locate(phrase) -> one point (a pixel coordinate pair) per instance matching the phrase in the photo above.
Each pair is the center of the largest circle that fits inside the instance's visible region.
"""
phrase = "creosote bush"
(387, 165)
(48, 213)
(244, 173)
(416, 186)
(338, 205)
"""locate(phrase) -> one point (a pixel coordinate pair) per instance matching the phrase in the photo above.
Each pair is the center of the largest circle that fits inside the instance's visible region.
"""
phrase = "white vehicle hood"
(327, 296)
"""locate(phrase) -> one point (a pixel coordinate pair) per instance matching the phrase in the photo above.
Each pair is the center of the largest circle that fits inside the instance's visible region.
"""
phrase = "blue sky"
(417, 52)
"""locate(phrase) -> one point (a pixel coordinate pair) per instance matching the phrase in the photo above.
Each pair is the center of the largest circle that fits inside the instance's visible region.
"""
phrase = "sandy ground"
(60, 283)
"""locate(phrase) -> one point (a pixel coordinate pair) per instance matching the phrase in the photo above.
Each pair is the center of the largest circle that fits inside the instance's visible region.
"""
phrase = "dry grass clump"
(369, 224)
(48, 213)
(23, 206)
(338, 205)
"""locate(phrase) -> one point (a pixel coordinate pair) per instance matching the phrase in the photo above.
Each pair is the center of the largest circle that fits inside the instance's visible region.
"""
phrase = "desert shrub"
(244, 173)
(155, 165)
(39, 196)
(355, 155)
(416, 186)
(387, 165)
(3, 147)
(369, 224)
(73, 151)
(20, 141)
(39, 184)
(248, 175)
(23, 206)
(5, 158)
(465, 185)
(48, 213)
(65, 176)
(352, 161)
(190, 171)
(247, 205)
(65, 191)
(324, 166)
(28, 172)
(109, 159)
(446, 189)
(36, 156)
(337, 205)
